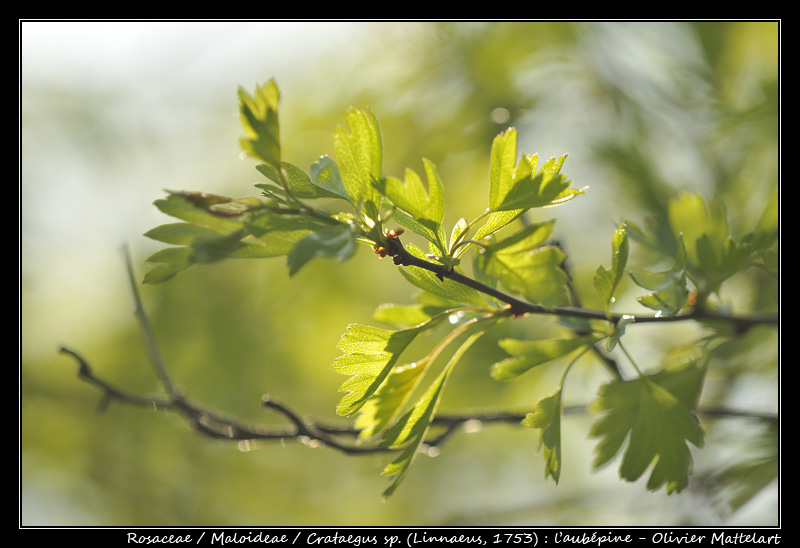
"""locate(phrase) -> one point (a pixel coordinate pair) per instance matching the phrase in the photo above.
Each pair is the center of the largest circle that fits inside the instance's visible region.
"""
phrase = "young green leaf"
(720, 263)
(259, 115)
(683, 372)
(359, 154)
(669, 291)
(407, 315)
(411, 196)
(501, 167)
(605, 280)
(425, 208)
(169, 262)
(706, 236)
(178, 233)
(202, 245)
(434, 234)
(501, 177)
(526, 267)
(655, 234)
(658, 426)
(325, 175)
(214, 228)
(195, 208)
(529, 354)
(540, 190)
(511, 190)
(387, 401)
(215, 247)
(392, 395)
(296, 180)
(278, 235)
(495, 221)
(369, 354)
(516, 187)
(689, 215)
(331, 242)
(546, 415)
(411, 429)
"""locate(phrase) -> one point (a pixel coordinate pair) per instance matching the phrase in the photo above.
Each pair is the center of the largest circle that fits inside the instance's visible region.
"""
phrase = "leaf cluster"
(343, 202)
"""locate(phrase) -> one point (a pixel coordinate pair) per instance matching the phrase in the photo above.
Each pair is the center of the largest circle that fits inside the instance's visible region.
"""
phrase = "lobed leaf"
(496, 221)
(215, 247)
(369, 353)
(501, 175)
(337, 241)
(430, 231)
(655, 234)
(654, 413)
(359, 155)
(325, 176)
(408, 315)
(194, 208)
(529, 354)
(424, 208)
(208, 234)
(546, 415)
(178, 233)
(524, 266)
(410, 431)
(218, 227)
(518, 186)
(501, 167)
(669, 291)
(411, 196)
(201, 246)
(387, 401)
(169, 262)
(297, 181)
(259, 116)
(540, 190)
(706, 236)
(606, 280)
(278, 235)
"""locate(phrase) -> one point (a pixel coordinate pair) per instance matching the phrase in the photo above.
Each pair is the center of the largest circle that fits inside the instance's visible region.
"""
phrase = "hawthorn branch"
(223, 426)
(340, 436)
(518, 307)
(306, 430)
(311, 432)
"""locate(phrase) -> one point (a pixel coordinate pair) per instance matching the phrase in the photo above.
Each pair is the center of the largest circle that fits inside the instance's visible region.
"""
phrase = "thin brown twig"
(518, 307)
(314, 433)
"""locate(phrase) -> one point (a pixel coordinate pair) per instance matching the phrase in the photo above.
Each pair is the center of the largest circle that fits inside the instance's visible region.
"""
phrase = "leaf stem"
(630, 358)
(462, 243)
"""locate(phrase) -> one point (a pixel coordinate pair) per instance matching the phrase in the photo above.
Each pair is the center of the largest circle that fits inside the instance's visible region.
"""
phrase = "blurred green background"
(114, 113)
